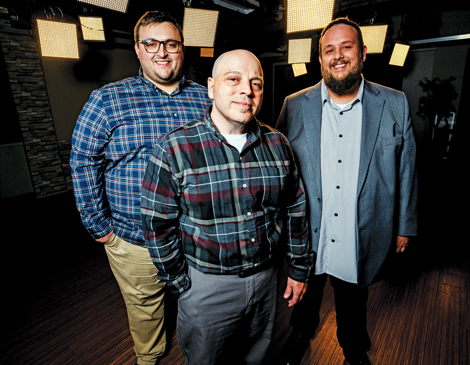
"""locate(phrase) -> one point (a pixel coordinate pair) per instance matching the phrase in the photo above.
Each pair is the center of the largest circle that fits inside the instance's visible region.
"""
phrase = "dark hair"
(156, 17)
(346, 21)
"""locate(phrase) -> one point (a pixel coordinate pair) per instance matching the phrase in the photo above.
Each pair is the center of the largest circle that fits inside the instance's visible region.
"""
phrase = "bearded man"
(355, 149)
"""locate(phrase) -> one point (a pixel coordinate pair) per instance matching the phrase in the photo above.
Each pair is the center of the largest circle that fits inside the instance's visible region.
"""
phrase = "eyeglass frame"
(159, 45)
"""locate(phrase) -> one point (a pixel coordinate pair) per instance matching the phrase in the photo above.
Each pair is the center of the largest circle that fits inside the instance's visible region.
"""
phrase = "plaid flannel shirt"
(115, 134)
(221, 211)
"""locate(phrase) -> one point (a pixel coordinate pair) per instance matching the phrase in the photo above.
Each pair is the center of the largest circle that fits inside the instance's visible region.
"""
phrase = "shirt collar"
(326, 96)
(182, 84)
(253, 131)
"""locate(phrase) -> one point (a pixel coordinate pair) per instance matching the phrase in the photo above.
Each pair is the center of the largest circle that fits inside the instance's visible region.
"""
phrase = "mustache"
(341, 61)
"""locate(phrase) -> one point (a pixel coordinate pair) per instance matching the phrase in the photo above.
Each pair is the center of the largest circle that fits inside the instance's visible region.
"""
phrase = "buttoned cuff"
(179, 285)
(298, 274)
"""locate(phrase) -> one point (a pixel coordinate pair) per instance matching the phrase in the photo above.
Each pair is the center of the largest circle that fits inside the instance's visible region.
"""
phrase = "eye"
(150, 43)
(257, 85)
(172, 44)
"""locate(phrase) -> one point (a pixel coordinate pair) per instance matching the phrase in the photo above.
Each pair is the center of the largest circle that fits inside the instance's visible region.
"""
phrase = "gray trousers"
(225, 319)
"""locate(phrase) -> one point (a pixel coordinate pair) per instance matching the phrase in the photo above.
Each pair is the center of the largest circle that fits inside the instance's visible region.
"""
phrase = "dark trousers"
(351, 313)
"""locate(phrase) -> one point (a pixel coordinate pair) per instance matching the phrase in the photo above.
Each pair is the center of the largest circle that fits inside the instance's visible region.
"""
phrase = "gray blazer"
(387, 182)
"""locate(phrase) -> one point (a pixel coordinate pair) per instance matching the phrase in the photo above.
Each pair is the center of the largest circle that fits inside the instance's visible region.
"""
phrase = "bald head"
(236, 88)
(237, 54)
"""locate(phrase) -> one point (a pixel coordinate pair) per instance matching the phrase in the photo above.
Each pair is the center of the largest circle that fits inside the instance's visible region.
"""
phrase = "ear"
(364, 52)
(210, 87)
(136, 48)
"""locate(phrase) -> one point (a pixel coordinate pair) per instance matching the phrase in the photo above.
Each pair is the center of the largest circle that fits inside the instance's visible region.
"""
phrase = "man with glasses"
(112, 141)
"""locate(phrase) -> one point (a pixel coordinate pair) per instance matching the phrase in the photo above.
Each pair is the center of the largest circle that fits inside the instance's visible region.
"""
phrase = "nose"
(338, 53)
(246, 87)
(162, 51)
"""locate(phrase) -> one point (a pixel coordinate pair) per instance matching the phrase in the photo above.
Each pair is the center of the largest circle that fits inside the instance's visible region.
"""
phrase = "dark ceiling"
(261, 31)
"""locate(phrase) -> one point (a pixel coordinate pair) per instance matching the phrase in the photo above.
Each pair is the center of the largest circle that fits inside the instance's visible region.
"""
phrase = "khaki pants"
(144, 297)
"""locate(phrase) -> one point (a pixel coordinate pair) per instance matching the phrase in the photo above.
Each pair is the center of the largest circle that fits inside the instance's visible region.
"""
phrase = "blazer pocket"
(392, 141)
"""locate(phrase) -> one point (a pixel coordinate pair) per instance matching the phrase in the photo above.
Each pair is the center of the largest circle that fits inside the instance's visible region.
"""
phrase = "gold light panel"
(117, 5)
(58, 39)
(400, 51)
(305, 15)
(92, 28)
(199, 27)
(207, 52)
(299, 69)
(300, 50)
(374, 37)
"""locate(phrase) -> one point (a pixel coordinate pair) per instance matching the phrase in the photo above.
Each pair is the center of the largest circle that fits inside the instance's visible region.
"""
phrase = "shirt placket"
(338, 178)
(249, 222)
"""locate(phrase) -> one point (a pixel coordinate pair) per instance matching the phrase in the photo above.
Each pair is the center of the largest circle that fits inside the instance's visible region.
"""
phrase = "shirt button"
(240, 158)
(336, 214)
(253, 240)
(249, 213)
(339, 161)
(244, 185)
(340, 113)
(338, 187)
(340, 136)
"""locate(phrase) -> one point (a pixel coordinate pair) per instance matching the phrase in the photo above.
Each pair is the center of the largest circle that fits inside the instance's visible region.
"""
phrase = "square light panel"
(305, 15)
(92, 28)
(299, 69)
(207, 52)
(199, 27)
(57, 39)
(374, 37)
(400, 51)
(117, 5)
(300, 50)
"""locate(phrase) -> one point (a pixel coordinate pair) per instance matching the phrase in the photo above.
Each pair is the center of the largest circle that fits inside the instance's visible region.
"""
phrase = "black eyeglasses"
(153, 46)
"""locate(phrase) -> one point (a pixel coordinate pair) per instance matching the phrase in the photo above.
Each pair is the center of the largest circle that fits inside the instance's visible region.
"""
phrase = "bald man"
(221, 202)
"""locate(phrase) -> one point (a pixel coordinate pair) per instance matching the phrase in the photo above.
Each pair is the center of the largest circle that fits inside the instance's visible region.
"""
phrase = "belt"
(256, 269)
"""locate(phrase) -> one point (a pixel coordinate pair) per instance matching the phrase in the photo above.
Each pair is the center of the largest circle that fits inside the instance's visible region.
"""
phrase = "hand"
(295, 291)
(402, 243)
(105, 238)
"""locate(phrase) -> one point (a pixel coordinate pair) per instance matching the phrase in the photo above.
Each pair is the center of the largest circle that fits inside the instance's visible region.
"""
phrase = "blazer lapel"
(371, 119)
(312, 112)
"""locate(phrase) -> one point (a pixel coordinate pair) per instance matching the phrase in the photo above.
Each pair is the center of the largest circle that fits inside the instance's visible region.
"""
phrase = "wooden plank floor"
(61, 304)
(77, 316)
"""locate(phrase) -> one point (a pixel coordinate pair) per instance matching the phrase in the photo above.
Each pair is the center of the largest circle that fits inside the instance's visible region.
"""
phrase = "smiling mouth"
(339, 66)
(243, 105)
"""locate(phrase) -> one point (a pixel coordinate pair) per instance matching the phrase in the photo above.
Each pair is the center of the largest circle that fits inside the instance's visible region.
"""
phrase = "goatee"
(341, 86)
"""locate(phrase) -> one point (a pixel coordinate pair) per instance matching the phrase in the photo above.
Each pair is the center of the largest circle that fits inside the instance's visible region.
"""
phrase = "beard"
(343, 85)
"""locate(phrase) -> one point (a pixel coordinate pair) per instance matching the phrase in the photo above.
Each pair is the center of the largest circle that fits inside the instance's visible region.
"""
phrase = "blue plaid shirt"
(113, 139)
